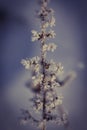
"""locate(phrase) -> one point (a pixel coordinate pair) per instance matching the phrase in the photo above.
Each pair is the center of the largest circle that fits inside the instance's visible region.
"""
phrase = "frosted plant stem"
(43, 82)
(45, 75)
(44, 125)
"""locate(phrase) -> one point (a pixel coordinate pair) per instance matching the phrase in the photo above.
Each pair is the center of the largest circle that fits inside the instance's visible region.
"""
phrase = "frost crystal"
(37, 79)
(35, 36)
(26, 63)
(49, 47)
(52, 22)
(52, 34)
(52, 47)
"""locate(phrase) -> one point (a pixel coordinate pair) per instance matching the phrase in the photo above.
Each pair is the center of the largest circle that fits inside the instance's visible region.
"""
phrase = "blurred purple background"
(17, 19)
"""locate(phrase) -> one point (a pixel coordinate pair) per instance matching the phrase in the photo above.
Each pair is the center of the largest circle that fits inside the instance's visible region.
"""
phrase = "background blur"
(17, 19)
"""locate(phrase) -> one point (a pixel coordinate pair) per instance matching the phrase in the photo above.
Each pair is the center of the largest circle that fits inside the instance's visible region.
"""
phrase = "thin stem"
(44, 128)
(44, 125)
(43, 84)
(43, 54)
